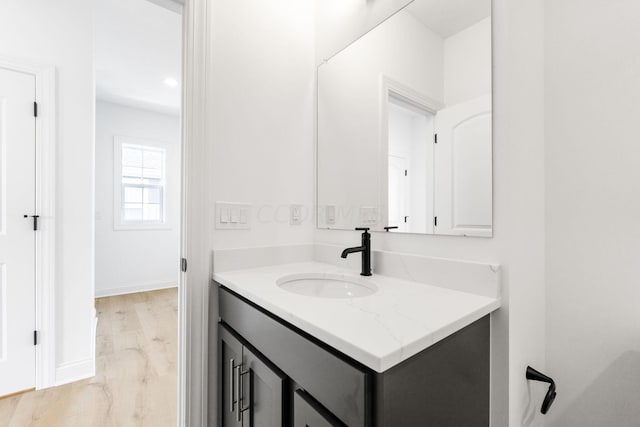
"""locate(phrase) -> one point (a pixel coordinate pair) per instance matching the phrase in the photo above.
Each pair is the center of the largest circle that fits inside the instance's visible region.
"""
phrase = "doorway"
(49, 35)
(410, 166)
(138, 60)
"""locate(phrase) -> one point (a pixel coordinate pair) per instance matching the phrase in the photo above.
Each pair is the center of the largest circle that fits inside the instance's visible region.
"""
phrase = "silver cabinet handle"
(232, 402)
(236, 388)
(237, 397)
(241, 399)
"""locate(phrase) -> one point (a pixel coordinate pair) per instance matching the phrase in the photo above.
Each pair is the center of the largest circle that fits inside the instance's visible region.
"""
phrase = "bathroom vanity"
(379, 351)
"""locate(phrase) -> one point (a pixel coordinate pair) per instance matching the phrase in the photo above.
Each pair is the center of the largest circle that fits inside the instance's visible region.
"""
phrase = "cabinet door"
(263, 389)
(309, 413)
(230, 361)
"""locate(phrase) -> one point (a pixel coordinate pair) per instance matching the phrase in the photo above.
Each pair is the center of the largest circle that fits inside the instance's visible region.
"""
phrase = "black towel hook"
(534, 375)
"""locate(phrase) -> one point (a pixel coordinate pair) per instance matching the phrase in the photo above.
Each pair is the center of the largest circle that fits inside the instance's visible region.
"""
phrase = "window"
(141, 178)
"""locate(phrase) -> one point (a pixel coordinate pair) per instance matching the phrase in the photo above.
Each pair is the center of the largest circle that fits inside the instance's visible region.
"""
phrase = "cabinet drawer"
(307, 413)
(340, 386)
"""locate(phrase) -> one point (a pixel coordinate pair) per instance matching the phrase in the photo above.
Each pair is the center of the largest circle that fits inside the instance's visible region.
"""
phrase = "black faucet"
(365, 248)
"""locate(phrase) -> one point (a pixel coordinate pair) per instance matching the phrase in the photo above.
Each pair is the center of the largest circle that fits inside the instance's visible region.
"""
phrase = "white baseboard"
(75, 371)
(132, 289)
(79, 369)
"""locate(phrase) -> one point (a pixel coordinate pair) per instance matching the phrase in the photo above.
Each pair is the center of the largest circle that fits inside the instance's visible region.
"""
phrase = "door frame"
(196, 211)
(45, 136)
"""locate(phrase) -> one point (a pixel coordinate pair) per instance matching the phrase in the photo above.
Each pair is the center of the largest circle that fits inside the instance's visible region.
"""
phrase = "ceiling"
(448, 17)
(138, 46)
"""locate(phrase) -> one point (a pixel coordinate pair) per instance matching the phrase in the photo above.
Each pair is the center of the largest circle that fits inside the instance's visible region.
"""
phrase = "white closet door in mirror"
(463, 179)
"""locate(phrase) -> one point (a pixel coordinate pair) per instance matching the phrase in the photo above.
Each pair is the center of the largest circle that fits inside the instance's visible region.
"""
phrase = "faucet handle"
(365, 232)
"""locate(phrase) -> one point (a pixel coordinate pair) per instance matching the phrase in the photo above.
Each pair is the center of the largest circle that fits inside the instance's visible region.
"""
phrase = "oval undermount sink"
(327, 285)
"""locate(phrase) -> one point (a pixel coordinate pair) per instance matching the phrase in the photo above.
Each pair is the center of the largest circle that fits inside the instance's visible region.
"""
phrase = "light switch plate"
(368, 215)
(295, 214)
(233, 216)
(331, 214)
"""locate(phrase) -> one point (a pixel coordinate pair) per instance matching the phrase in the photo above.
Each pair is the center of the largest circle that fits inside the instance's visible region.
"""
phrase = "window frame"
(119, 223)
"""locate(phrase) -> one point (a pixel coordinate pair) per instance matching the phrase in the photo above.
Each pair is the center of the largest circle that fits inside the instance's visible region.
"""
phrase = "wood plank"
(17, 393)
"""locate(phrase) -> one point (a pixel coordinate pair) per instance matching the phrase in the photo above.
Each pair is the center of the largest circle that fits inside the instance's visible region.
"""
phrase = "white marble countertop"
(381, 330)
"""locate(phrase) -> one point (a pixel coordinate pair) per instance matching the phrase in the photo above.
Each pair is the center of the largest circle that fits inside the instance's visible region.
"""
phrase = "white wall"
(262, 91)
(518, 243)
(342, 21)
(135, 260)
(261, 102)
(60, 34)
(467, 63)
(592, 186)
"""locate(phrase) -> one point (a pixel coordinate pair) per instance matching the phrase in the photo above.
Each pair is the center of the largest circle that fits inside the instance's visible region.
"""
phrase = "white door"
(398, 193)
(17, 238)
(463, 174)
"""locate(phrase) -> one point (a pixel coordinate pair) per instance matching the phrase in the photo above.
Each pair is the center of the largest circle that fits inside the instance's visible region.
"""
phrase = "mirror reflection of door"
(463, 175)
(410, 160)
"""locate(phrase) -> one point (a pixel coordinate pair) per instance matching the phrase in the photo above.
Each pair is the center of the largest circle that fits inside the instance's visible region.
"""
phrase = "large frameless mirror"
(405, 124)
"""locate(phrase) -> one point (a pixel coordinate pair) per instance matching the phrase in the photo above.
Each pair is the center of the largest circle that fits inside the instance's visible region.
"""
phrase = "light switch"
(224, 215)
(295, 217)
(235, 215)
(331, 214)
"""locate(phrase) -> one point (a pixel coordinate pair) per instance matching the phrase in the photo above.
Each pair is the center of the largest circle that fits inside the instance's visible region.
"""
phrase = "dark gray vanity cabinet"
(253, 392)
(274, 374)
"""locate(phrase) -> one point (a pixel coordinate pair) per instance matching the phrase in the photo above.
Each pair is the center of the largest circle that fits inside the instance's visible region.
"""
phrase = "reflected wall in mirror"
(404, 124)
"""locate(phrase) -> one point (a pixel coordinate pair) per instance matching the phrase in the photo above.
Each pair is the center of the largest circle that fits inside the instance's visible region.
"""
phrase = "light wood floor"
(135, 382)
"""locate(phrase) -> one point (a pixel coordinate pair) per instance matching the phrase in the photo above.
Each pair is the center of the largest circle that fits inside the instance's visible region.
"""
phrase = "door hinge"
(435, 138)
(435, 221)
(183, 265)
(35, 109)
(36, 337)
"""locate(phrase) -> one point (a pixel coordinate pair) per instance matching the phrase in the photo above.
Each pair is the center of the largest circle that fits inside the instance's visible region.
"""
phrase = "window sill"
(142, 227)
